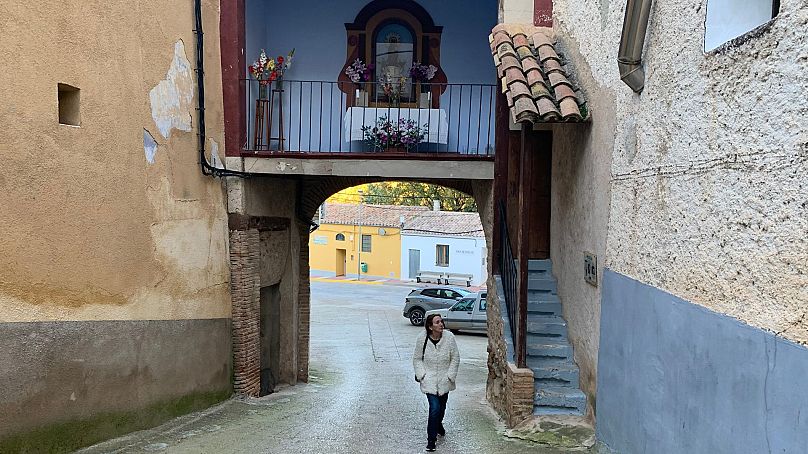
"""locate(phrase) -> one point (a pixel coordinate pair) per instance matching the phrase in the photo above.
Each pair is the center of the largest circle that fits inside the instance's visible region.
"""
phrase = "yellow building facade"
(340, 249)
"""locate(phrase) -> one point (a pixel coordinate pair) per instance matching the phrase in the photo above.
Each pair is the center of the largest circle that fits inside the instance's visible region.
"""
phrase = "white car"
(468, 314)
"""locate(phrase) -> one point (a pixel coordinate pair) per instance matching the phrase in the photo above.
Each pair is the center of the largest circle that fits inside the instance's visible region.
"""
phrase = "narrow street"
(361, 397)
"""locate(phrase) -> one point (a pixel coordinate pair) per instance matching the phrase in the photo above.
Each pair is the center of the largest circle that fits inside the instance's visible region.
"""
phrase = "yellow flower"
(271, 64)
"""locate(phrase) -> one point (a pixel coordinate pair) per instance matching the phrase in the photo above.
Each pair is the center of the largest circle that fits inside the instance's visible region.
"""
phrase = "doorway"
(415, 262)
(270, 332)
(340, 265)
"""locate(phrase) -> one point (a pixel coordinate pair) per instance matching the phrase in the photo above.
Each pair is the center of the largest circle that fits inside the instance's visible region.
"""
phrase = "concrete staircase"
(549, 353)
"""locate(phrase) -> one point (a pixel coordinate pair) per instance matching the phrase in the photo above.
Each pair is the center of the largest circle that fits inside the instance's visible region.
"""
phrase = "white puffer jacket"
(437, 369)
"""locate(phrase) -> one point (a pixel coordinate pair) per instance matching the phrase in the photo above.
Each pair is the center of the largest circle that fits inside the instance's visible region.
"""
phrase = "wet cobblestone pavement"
(361, 397)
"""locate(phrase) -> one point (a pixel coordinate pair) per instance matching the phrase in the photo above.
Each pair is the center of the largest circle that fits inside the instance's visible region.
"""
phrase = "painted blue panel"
(316, 29)
(674, 377)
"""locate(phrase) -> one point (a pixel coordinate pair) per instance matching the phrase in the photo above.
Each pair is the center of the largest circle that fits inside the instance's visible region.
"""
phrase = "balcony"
(310, 119)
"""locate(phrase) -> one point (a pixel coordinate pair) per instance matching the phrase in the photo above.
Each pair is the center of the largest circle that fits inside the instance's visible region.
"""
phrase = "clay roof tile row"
(533, 77)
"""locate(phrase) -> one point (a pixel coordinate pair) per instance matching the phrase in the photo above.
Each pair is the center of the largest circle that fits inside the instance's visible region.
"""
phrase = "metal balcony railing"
(339, 117)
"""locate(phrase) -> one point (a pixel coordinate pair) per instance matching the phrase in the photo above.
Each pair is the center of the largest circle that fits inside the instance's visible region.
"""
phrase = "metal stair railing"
(510, 283)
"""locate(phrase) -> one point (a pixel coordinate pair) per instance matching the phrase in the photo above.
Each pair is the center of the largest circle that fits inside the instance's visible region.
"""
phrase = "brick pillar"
(303, 309)
(520, 392)
(245, 293)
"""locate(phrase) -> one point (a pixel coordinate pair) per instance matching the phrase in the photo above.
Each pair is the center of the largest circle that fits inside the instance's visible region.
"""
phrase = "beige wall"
(91, 229)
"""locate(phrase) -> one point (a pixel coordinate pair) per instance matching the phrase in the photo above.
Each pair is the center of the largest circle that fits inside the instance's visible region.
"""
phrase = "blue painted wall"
(316, 29)
(674, 377)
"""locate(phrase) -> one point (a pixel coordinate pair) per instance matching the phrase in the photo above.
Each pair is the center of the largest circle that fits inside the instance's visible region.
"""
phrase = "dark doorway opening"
(270, 337)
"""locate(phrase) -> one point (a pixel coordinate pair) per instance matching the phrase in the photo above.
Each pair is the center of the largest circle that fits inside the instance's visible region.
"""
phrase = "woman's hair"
(428, 322)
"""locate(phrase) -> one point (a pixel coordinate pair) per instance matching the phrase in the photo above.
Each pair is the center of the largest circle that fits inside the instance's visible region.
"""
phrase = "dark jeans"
(437, 408)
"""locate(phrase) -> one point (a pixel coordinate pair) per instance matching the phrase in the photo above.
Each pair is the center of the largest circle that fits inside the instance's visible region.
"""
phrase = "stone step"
(539, 265)
(544, 308)
(545, 369)
(560, 397)
(549, 350)
(550, 411)
(541, 284)
(547, 325)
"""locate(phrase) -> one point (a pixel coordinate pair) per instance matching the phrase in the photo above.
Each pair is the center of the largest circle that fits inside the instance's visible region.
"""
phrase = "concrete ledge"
(365, 167)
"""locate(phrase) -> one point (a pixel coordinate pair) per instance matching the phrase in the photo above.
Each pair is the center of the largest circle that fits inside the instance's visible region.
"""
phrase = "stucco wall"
(109, 223)
(92, 229)
(382, 260)
(684, 379)
(694, 186)
(465, 255)
(708, 163)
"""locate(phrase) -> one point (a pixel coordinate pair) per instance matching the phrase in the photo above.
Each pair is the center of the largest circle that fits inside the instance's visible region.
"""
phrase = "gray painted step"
(539, 265)
(564, 372)
(540, 411)
(542, 284)
(560, 397)
(547, 325)
(550, 350)
(546, 308)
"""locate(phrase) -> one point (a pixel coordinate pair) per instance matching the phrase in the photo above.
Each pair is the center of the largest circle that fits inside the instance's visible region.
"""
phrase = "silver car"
(421, 300)
(468, 314)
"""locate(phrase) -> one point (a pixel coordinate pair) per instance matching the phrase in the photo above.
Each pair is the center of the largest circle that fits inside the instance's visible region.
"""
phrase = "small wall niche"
(69, 105)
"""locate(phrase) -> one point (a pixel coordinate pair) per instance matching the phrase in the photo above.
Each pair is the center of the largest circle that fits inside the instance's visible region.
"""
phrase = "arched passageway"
(270, 224)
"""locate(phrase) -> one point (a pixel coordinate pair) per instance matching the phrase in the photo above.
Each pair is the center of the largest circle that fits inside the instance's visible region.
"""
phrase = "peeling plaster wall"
(112, 220)
(697, 185)
(93, 229)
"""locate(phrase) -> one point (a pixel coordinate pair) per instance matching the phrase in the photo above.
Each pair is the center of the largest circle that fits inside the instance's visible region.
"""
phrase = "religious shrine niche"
(388, 37)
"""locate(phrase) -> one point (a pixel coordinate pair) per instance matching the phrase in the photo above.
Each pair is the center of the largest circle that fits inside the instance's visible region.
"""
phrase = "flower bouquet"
(388, 134)
(267, 70)
(359, 72)
(422, 73)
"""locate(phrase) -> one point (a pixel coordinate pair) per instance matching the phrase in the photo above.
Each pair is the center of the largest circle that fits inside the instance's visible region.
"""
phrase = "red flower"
(273, 75)
(280, 60)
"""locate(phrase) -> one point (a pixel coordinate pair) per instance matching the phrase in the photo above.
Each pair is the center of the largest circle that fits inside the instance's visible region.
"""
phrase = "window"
(442, 255)
(464, 305)
(729, 19)
(433, 293)
(340, 237)
(365, 243)
(68, 105)
(482, 305)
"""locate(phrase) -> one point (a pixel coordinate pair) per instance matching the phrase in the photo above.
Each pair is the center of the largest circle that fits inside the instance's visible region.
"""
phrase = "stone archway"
(269, 236)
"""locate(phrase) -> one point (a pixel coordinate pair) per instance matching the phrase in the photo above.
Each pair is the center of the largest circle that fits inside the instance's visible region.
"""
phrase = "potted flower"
(393, 136)
(359, 73)
(421, 75)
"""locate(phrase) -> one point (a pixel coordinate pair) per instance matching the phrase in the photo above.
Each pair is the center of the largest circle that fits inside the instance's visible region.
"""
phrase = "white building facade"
(443, 253)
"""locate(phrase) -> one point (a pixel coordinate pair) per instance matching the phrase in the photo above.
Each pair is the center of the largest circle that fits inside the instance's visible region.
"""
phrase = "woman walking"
(436, 360)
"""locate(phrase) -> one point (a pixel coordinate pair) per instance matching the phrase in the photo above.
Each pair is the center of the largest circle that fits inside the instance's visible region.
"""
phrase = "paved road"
(361, 398)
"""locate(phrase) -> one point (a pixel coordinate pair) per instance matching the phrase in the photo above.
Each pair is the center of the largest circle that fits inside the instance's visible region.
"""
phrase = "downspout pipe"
(629, 56)
(207, 168)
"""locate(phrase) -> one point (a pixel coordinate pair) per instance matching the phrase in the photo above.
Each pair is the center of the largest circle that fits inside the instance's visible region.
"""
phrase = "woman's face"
(437, 325)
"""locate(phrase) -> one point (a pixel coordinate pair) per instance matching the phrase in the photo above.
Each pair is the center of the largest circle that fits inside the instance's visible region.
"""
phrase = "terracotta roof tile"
(528, 65)
(515, 74)
(563, 91)
(570, 109)
(371, 215)
(436, 223)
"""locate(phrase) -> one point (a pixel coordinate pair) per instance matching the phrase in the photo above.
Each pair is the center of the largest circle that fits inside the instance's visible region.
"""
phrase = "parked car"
(468, 314)
(421, 300)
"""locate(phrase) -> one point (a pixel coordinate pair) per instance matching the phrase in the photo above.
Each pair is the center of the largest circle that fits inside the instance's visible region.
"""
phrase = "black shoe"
(430, 446)
(441, 431)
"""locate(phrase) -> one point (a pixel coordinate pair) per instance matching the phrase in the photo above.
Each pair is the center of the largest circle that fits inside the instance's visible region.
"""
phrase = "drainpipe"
(208, 169)
(629, 56)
